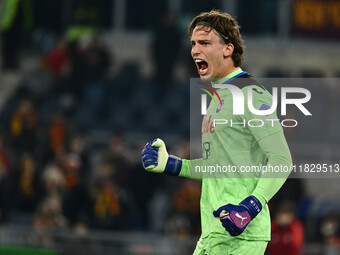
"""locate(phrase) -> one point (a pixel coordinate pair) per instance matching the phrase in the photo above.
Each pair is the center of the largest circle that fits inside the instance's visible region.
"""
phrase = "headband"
(206, 24)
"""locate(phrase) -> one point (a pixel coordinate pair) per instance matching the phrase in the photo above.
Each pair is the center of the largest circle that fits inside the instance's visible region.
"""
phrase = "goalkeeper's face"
(212, 57)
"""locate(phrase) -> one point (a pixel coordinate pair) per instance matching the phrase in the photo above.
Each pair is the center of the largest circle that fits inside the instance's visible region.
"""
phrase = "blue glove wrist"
(253, 206)
(173, 166)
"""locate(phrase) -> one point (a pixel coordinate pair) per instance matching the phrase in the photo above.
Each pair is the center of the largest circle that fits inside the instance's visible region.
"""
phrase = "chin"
(205, 77)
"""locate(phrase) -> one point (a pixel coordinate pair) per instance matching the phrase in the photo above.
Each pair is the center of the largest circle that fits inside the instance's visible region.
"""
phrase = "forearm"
(277, 151)
(186, 172)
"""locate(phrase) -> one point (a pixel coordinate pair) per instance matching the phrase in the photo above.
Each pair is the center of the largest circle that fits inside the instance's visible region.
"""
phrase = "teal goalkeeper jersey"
(230, 146)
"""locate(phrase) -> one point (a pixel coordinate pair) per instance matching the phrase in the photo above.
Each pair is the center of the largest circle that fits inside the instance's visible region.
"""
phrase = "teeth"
(198, 60)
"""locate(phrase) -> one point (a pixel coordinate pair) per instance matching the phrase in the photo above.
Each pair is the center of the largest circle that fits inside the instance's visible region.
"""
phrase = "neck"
(228, 71)
(231, 74)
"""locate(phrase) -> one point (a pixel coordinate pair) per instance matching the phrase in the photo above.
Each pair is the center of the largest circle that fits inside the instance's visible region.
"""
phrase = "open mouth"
(202, 66)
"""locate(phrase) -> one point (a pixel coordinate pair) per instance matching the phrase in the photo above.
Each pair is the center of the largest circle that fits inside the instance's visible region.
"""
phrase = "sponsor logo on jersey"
(208, 126)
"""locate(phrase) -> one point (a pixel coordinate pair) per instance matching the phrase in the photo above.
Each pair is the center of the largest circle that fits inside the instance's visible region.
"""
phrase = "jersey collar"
(229, 77)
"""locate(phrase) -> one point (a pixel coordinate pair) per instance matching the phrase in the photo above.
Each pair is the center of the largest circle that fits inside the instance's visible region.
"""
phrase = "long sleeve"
(185, 170)
(276, 150)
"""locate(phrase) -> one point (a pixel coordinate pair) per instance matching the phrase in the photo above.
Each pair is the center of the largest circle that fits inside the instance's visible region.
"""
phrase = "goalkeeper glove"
(235, 218)
(156, 159)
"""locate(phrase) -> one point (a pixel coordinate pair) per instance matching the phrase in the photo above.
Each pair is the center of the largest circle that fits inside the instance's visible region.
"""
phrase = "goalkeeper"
(234, 212)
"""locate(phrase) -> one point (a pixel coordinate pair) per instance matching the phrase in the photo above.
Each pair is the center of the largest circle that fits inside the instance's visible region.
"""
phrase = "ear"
(228, 50)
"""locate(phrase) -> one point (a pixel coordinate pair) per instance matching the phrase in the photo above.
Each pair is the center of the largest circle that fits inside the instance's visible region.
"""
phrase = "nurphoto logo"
(264, 110)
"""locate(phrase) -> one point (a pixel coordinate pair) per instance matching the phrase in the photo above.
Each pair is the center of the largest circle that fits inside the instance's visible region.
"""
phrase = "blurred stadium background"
(85, 84)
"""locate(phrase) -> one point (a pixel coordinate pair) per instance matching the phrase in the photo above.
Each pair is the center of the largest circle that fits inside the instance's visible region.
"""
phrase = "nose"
(195, 50)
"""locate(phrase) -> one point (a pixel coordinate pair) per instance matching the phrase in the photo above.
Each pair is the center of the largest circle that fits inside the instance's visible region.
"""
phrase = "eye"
(205, 43)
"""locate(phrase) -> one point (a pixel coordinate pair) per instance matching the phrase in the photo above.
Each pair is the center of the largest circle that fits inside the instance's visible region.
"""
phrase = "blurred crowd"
(52, 176)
